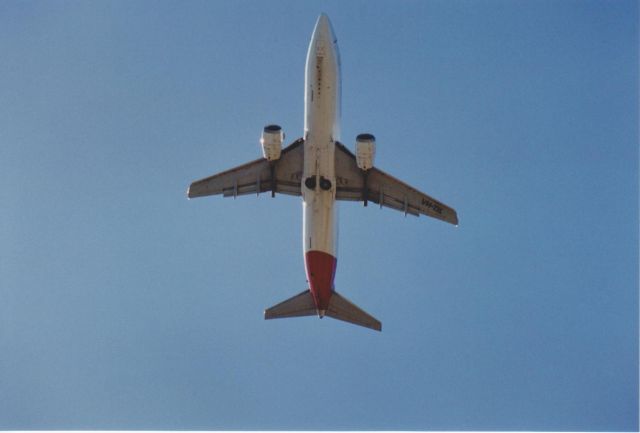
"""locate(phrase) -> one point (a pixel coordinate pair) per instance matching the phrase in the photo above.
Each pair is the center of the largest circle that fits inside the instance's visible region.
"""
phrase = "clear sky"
(124, 305)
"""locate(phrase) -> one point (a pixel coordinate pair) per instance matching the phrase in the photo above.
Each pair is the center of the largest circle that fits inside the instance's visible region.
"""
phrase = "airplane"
(320, 169)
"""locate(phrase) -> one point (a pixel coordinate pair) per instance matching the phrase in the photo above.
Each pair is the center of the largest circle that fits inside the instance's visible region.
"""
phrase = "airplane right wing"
(379, 187)
(282, 175)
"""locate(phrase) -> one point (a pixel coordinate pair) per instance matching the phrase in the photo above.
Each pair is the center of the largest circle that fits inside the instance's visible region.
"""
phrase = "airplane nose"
(323, 20)
(323, 29)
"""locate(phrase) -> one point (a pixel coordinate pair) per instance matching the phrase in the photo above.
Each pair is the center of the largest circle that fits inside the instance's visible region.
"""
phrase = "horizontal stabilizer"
(342, 309)
(300, 305)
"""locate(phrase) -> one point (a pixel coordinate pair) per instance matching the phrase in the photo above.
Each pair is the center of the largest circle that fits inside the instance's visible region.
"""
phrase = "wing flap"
(237, 181)
(255, 177)
(379, 187)
(388, 191)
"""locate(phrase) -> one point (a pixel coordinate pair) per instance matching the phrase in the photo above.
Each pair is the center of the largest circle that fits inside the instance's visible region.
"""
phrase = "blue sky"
(126, 306)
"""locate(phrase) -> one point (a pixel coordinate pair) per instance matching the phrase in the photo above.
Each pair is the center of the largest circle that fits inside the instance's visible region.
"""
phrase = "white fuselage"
(321, 131)
(324, 161)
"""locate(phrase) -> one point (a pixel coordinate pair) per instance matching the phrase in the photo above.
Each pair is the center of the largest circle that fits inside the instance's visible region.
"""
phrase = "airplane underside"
(321, 170)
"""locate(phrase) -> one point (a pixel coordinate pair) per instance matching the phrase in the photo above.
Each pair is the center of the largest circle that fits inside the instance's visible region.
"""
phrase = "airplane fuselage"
(322, 171)
(321, 131)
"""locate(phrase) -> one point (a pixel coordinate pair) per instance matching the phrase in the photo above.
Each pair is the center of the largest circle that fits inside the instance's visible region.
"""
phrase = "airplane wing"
(282, 175)
(377, 186)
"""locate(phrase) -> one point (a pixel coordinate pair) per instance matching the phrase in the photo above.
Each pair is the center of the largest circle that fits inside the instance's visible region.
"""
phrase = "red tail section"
(321, 269)
(321, 298)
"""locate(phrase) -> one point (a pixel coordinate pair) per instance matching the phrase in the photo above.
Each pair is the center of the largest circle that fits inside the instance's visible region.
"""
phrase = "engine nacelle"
(271, 141)
(365, 151)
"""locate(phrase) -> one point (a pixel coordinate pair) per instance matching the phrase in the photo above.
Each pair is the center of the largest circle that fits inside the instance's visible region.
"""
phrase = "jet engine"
(271, 141)
(365, 151)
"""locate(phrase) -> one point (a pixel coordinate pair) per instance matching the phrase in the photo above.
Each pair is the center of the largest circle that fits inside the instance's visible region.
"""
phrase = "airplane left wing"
(282, 175)
(379, 187)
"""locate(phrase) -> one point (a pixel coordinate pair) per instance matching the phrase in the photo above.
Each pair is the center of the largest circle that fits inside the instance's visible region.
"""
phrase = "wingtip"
(190, 193)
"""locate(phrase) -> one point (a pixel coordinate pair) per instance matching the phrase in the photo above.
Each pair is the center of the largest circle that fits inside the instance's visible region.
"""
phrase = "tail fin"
(342, 309)
(300, 305)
